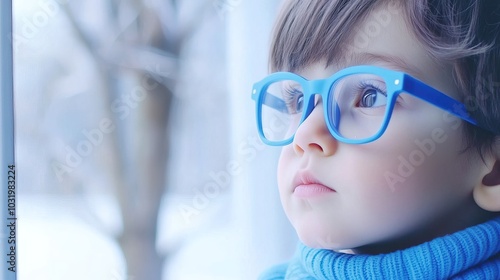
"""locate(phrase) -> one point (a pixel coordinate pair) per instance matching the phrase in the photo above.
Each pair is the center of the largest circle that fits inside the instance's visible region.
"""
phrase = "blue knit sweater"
(472, 253)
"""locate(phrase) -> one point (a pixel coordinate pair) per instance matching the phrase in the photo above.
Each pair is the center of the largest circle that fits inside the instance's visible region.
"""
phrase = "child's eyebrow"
(398, 62)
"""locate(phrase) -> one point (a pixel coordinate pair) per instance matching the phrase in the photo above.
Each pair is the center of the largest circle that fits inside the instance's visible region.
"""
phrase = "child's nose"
(313, 135)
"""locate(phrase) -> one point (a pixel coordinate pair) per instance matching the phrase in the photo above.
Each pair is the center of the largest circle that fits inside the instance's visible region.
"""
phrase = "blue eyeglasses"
(358, 103)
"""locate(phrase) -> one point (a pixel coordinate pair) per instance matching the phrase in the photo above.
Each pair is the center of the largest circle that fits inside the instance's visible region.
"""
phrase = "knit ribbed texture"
(472, 253)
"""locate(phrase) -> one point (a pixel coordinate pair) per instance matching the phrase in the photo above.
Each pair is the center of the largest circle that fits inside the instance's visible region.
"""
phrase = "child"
(390, 127)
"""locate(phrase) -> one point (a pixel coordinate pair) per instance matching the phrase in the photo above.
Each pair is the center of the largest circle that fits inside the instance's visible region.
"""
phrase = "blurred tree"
(136, 46)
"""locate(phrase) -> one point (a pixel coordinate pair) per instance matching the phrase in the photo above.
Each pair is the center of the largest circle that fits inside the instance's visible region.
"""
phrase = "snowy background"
(136, 148)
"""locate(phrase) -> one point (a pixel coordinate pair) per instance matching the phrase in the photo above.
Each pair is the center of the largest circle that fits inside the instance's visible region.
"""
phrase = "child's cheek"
(418, 146)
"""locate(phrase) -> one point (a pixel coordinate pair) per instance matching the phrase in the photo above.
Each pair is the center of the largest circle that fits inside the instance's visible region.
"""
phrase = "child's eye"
(294, 100)
(371, 96)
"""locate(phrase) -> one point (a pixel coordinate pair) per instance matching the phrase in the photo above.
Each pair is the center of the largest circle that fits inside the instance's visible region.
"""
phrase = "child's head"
(463, 34)
(430, 173)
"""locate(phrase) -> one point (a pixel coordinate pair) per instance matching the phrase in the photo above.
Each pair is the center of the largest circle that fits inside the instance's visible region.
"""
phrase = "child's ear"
(487, 192)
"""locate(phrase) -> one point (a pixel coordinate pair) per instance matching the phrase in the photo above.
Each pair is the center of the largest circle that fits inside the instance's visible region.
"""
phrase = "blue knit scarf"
(472, 253)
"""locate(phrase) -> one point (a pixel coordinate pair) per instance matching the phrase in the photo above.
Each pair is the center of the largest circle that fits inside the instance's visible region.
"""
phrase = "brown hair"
(465, 33)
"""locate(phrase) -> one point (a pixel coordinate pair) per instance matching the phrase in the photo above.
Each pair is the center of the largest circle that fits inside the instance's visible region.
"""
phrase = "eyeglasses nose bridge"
(313, 88)
(317, 86)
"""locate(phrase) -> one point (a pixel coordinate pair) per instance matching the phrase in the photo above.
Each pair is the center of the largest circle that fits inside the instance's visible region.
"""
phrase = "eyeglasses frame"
(397, 82)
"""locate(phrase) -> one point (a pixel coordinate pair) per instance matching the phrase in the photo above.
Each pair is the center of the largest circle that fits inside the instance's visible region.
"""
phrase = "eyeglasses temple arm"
(275, 103)
(437, 98)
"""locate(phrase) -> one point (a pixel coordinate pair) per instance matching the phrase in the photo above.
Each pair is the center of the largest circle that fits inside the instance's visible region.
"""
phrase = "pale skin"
(448, 192)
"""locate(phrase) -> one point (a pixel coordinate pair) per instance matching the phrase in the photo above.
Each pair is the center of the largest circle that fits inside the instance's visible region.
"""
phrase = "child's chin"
(325, 241)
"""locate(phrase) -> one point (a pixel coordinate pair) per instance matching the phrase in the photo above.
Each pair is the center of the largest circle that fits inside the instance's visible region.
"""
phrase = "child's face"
(409, 186)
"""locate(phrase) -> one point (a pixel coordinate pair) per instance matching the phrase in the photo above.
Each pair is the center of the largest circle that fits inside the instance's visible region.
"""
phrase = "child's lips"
(311, 190)
(306, 185)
